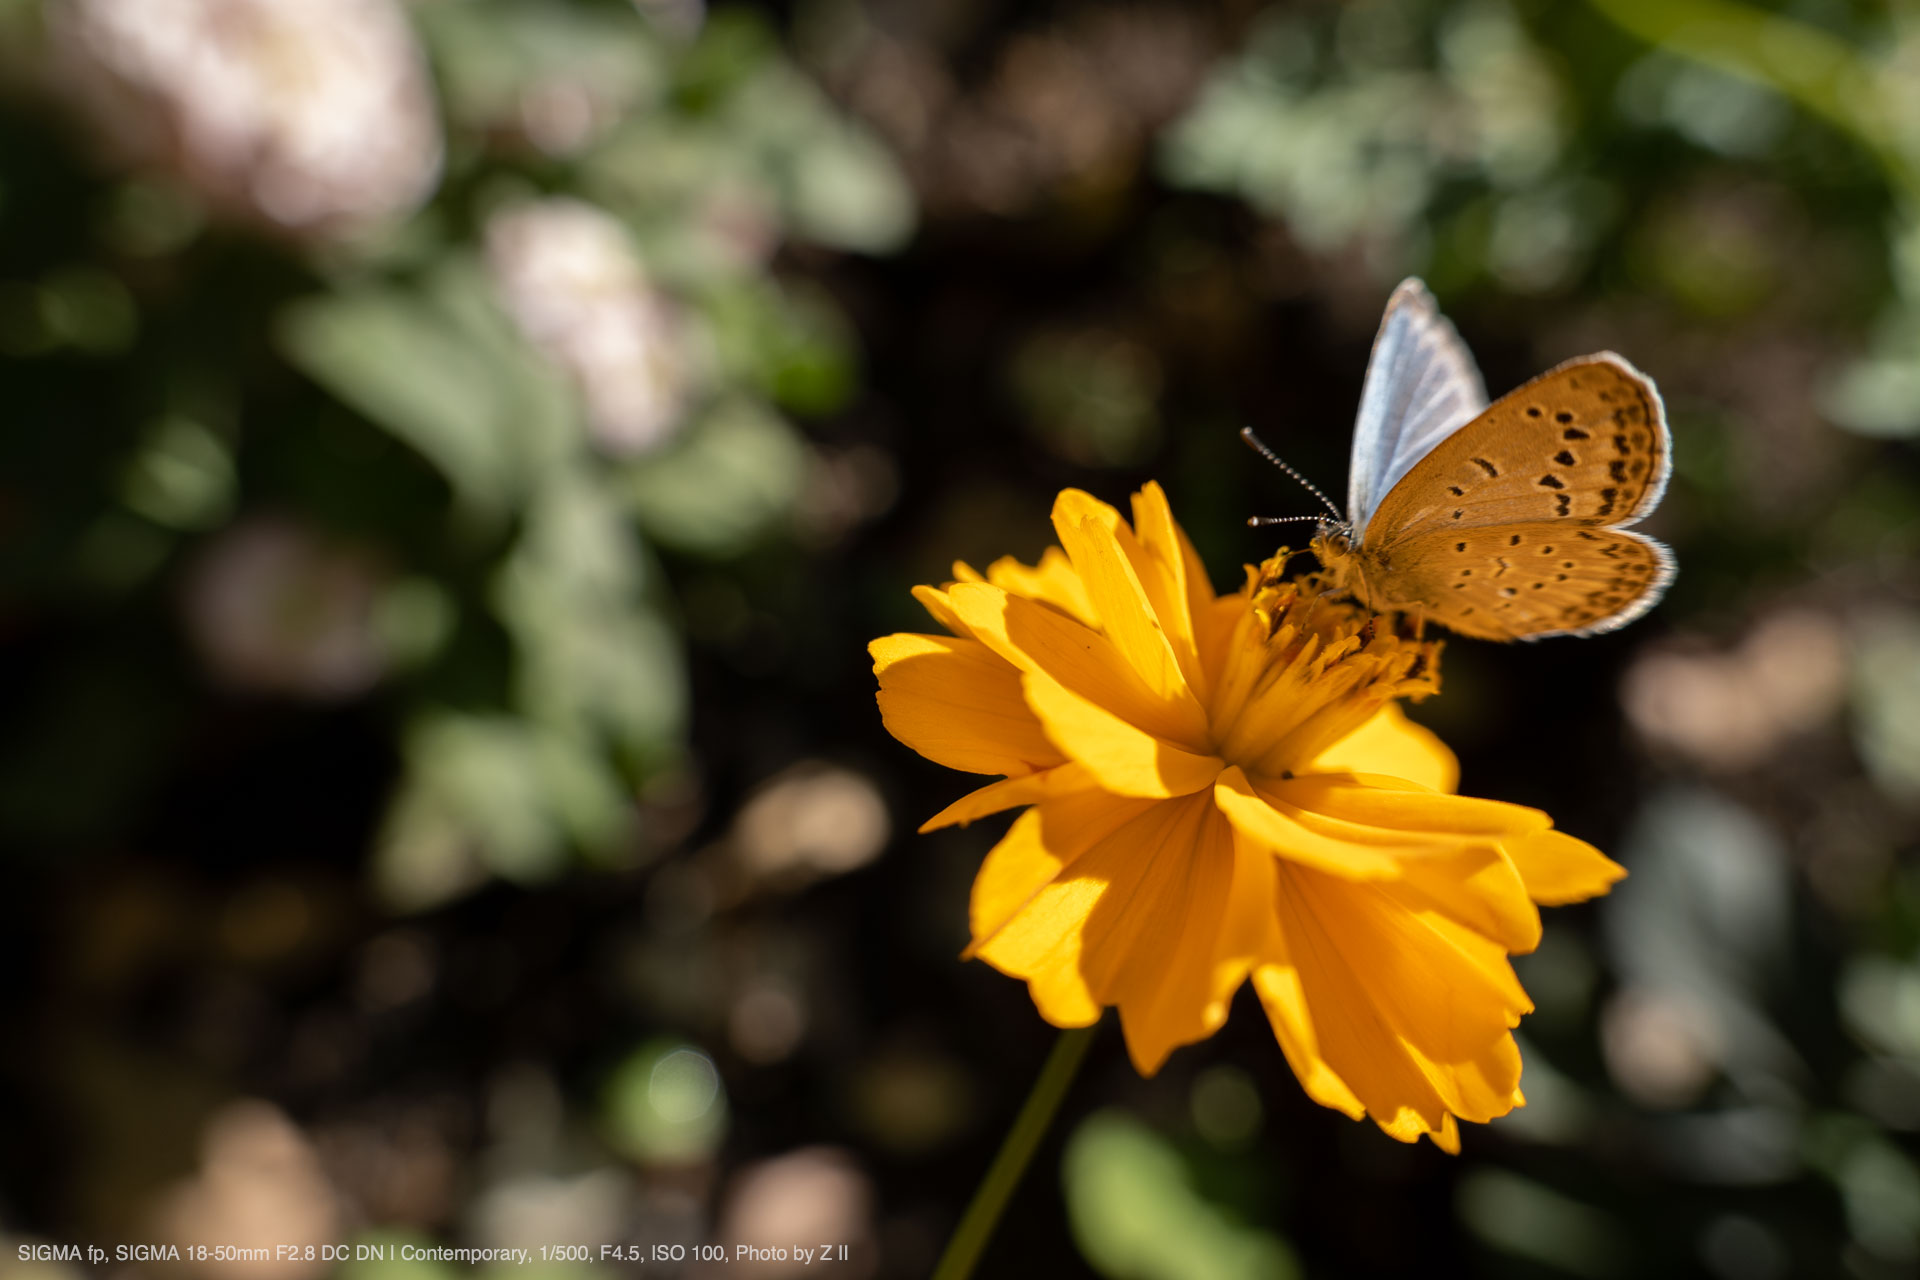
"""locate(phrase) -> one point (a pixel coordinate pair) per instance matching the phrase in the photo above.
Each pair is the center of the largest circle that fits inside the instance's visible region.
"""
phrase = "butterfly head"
(1344, 564)
(1333, 539)
(1333, 545)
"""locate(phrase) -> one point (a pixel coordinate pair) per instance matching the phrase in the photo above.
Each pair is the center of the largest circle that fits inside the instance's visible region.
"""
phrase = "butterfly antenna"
(1261, 522)
(1254, 442)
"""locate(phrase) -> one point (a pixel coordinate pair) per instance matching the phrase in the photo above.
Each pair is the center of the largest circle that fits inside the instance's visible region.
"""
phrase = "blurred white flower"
(531, 1209)
(1697, 936)
(314, 116)
(570, 279)
(813, 1197)
(560, 115)
(813, 820)
(1735, 709)
(767, 1019)
(274, 609)
(260, 1184)
(392, 1164)
(843, 490)
(1660, 1049)
(680, 17)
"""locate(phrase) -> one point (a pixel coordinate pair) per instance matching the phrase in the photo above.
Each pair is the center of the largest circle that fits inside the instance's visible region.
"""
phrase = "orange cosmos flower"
(1224, 788)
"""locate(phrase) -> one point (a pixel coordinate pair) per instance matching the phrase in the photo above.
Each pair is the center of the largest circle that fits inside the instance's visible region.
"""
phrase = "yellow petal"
(1557, 868)
(1392, 744)
(1411, 1025)
(1250, 932)
(1489, 957)
(1267, 827)
(1477, 888)
(1162, 538)
(1041, 843)
(1214, 628)
(1121, 758)
(1011, 793)
(1462, 877)
(959, 704)
(1138, 917)
(1045, 951)
(1435, 996)
(1376, 800)
(1171, 969)
(1401, 842)
(1284, 997)
(1052, 581)
(1038, 638)
(1092, 534)
(936, 603)
(1082, 847)
(1158, 554)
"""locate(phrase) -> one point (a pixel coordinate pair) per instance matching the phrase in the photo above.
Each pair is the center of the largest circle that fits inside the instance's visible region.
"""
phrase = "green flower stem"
(1796, 59)
(983, 1214)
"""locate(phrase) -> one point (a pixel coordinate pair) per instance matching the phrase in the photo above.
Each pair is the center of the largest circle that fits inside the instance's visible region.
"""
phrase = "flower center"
(1303, 670)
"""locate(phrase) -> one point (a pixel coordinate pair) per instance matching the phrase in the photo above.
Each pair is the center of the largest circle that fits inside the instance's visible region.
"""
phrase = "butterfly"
(1505, 521)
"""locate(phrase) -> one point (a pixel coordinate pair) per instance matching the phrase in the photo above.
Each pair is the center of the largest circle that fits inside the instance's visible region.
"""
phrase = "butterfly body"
(1506, 521)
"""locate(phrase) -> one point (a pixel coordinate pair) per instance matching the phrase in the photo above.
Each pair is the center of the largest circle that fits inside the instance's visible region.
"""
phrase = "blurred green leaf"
(791, 344)
(700, 208)
(1877, 1182)
(507, 61)
(441, 368)
(119, 550)
(844, 188)
(1886, 701)
(751, 128)
(413, 619)
(1226, 1107)
(728, 477)
(1519, 1216)
(1091, 395)
(1136, 1215)
(1799, 59)
(1348, 137)
(149, 219)
(89, 309)
(735, 45)
(665, 1104)
(1876, 396)
(492, 795)
(382, 1260)
(593, 657)
(182, 477)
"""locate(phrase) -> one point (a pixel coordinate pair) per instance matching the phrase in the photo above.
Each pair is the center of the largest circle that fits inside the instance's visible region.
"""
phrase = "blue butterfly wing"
(1421, 387)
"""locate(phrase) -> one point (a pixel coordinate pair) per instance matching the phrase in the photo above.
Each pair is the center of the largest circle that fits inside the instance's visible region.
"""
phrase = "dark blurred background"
(454, 453)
